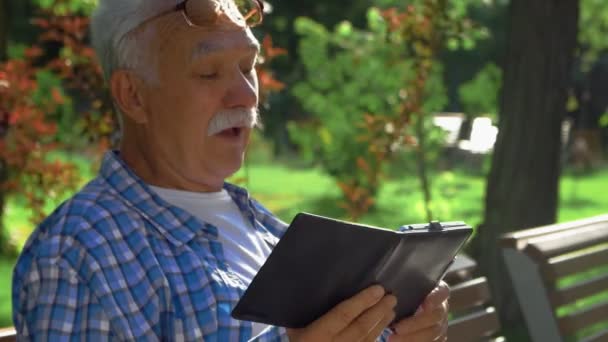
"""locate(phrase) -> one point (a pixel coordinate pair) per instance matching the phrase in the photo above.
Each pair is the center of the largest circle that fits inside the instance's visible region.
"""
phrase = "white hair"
(114, 32)
(118, 43)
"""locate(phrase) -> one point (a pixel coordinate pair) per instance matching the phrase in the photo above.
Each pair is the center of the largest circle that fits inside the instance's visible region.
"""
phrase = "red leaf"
(33, 52)
(57, 97)
(269, 50)
(42, 23)
(268, 82)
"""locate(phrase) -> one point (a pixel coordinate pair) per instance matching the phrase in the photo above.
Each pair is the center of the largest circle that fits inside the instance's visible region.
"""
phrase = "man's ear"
(127, 91)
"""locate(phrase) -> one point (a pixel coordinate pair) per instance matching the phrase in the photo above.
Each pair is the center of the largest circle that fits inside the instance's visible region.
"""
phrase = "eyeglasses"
(200, 13)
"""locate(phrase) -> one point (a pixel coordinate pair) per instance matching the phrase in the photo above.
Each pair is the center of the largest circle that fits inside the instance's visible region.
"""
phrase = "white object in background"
(451, 124)
(483, 136)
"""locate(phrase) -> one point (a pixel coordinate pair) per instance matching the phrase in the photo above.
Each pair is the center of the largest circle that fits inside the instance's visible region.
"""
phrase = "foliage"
(364, 87)
(268, 83)
(402, 45)
(458, 29)
(67, 7)
(604, 120)
(593, 31)
(425, 27)
(350, 73)
(281, 24)
(479, 96)
(27, 134)
(39, 94)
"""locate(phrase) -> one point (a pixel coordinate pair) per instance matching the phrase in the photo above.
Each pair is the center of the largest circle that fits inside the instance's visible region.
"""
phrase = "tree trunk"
(3, 173)
(3, 29)
(422, 167)
(5, 248)
(522, 188)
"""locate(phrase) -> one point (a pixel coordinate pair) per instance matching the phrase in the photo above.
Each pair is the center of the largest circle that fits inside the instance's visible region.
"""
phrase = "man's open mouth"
(232, 132)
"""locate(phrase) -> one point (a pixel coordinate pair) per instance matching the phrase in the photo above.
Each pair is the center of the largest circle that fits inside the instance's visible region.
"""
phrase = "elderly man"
(159, 246)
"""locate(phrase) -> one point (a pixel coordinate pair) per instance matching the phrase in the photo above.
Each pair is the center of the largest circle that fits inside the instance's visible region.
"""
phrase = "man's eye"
(209, 76)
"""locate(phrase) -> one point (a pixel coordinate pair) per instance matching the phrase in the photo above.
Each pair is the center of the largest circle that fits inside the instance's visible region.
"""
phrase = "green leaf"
(375, 21)
(16, 50)
(453, 43)
(344, 29)
(604, 120)
(468, 43)
(480, 95)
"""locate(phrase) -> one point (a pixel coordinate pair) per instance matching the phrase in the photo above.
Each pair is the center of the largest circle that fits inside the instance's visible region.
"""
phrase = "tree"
(593, 31)
(370, 93)
(38, 114)
(479, 96)
(3, 129)
(522, 188)
(3, 29)
(352, 77)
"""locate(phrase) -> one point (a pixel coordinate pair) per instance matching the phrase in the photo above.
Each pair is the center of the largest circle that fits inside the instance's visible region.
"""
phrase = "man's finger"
(439, 295)
(434, 333)
(343, 314)
(380, 327)
(368, 320)
(422, 321)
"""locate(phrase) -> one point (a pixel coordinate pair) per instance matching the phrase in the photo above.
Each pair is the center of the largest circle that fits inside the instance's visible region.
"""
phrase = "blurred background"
(492, 112)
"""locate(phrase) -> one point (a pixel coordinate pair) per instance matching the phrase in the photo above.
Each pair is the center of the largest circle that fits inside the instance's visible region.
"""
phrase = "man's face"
(201, 74)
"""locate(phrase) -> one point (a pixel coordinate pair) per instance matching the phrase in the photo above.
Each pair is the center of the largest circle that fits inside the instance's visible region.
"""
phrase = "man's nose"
(243, 92)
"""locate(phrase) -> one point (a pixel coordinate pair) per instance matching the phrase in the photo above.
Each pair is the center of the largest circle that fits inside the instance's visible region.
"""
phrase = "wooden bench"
(8, 335)
(557, 272)
(472, 318)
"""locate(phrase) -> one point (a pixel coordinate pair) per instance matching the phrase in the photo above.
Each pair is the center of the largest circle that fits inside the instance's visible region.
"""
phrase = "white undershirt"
(244, 250)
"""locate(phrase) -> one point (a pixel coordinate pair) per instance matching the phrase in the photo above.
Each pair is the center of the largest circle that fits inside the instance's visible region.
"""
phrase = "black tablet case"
(320, 262)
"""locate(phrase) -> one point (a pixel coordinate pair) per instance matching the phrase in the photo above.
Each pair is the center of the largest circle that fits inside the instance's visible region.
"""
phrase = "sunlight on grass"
(583, 196)
(6, 270)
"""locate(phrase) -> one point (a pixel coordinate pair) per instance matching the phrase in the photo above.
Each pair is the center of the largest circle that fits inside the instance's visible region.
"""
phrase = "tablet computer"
(320, 262)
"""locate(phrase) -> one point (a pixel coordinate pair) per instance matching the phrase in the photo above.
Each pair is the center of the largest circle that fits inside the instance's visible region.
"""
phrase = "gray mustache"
(230, 118)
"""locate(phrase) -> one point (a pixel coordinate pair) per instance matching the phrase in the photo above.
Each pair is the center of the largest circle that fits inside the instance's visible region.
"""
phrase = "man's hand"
(430, 323)
(360, 318)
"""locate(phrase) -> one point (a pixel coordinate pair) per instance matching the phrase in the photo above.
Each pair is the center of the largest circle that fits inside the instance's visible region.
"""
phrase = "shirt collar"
(176, 224)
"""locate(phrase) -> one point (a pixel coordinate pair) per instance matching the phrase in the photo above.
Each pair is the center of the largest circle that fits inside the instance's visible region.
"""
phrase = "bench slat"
(580, 290)
(493, 339)
(462, 269)
(543, 248)
(583, 318)
(549, 254)
(474, 326)
(519, 239)
(498, 339)
(8, 334)
(469, 294)
(569, 264)
(601, 336)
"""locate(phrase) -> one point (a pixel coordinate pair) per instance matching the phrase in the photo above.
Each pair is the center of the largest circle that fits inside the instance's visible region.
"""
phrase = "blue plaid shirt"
(116, 262)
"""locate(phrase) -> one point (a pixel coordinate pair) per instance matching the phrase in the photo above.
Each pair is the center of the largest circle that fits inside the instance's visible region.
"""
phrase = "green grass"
(587, 302)
(457, 196)
(6, 270)
(583, 196)
(17, 214)
(286, 191)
